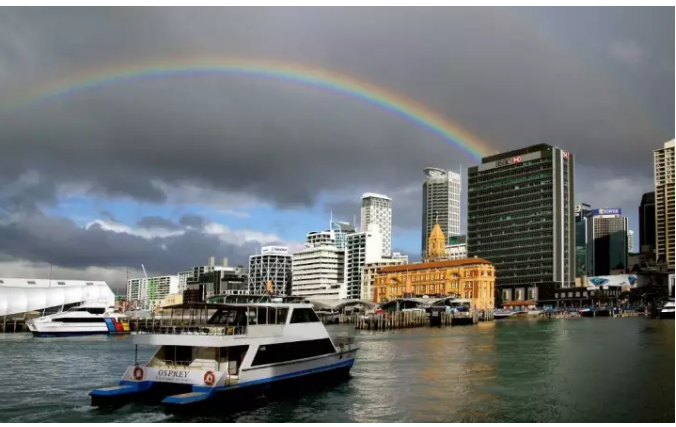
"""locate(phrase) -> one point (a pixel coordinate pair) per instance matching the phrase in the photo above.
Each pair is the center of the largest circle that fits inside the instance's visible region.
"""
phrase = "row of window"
(288, 351)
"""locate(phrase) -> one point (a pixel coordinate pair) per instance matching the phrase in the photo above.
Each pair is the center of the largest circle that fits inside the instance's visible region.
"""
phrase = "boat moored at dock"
(235, 348)
(86, 319)
(667, 312)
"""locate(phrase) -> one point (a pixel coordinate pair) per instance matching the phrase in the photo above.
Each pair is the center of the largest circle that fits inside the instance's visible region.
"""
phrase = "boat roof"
(216, 306)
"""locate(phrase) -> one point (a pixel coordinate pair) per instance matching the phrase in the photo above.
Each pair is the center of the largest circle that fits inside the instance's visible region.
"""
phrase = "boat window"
(82, 319)
(285, 352)
(90, 283)
(253, 317)
(31, 282)
(61, 283)
(282, 313)
(303, 315)
(94, 310)
(272, 316)
(262, 315)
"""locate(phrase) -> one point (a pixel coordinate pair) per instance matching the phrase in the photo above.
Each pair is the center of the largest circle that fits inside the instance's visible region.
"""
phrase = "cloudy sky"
(166, 170)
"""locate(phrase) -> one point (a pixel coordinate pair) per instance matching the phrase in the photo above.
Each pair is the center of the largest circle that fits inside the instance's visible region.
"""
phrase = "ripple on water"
(539, 371)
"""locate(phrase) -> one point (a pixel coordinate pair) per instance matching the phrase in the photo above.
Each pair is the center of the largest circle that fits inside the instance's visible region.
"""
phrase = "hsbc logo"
(565, 154)
(516, 159)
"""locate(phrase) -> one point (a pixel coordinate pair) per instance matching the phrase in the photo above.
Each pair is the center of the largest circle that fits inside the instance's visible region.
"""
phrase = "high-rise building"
(147, 293)
(607, 242)
(319, 270)
(441, 204)
(646, 223)
(630, 241)
(340, 231)
(362, 248)
(377, 209)
(521, 217)
(582, 211)
(270, 271)
(665, 168)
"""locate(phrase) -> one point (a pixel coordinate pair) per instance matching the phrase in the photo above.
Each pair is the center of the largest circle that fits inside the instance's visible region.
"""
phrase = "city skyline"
(105, 175)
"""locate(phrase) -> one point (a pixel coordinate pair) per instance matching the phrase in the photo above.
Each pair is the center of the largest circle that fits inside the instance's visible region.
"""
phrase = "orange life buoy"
(138, 373)
(209, 378)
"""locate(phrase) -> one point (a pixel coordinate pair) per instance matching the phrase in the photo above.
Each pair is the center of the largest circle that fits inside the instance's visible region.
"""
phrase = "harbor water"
(568, 370)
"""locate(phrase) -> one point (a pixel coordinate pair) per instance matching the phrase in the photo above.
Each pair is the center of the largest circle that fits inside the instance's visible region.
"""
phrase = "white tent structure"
(19, 296)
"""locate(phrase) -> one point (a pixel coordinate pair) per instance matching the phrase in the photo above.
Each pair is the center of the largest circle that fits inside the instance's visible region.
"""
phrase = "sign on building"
(274, 250)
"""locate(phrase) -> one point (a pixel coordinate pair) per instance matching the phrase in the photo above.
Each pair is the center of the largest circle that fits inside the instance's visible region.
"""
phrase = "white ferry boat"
(667, 311)
(234, 348)
(86, 319)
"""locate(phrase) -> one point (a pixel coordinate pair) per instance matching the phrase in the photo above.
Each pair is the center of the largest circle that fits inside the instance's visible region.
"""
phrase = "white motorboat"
(502, 314)
(667, 311)
(86, 319)
(234, 349)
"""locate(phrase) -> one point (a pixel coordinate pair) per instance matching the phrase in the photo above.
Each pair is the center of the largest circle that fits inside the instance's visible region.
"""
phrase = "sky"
(166, 169)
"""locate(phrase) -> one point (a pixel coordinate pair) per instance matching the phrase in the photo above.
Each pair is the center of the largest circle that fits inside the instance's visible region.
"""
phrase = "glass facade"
(520, 215)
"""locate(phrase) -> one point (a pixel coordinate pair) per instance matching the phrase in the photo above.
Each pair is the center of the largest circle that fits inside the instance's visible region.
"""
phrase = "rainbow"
(397, 104)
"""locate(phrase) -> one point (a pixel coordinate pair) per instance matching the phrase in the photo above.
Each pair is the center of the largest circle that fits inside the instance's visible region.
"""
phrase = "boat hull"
(49, 328)
(669, 314)
(239, 398)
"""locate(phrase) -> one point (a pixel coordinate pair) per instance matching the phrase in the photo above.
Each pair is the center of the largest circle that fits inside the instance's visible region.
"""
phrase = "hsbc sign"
(505, 162)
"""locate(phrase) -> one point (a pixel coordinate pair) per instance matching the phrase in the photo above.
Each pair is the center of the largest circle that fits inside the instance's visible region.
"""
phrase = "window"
(282, 315)
(285, 352)
(90, 283)
(61, 283)
(303, 315)
(31, 282)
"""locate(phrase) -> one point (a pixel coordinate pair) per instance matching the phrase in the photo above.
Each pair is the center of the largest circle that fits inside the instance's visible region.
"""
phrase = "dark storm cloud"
(597, 82)
(59, 241)
(191, 220)
(158, 222)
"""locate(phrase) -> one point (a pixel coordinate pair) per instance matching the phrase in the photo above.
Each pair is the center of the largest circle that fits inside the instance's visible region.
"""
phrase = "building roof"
(436, 264)
(19, 295)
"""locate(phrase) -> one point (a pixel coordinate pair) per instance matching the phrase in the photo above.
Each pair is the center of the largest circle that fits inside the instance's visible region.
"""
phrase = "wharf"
(415, 319)
(13, 325)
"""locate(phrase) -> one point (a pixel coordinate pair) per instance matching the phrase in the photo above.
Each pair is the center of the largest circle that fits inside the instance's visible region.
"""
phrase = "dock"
(13, 325)
(417, 319)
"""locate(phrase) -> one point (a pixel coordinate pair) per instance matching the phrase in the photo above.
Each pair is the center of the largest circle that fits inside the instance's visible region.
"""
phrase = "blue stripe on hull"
(68, 334)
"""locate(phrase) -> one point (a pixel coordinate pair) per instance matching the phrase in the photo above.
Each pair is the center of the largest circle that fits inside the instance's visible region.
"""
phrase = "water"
(575, 370)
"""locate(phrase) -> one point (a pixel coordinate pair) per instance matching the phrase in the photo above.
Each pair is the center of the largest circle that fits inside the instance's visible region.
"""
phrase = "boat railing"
(342, 341)
(210, 330)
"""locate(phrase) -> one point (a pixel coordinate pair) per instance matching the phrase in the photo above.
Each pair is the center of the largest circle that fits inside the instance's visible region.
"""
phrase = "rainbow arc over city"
(332, 81)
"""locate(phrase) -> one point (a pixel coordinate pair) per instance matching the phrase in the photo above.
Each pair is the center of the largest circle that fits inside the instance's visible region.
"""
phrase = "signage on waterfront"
(274, 250)
(615, 280)
(607, 211)
(510, 161)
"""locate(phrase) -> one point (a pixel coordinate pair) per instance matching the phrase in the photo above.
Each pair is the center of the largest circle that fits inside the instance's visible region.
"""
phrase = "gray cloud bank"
(595, 81)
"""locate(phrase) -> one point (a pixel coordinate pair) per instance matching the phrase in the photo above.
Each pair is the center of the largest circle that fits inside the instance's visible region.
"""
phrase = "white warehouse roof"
(23, 295)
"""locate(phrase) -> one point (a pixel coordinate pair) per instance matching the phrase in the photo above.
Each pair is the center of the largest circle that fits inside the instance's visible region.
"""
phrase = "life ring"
(209, 378)
(138, 373)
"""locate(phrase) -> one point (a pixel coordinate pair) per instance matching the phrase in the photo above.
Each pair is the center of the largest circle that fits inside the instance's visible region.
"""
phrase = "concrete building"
(361, 248)
(607, 232)
(398, 256)
(21, 296)
(521, 217)
(441, 203)
(147, 293)
(456, 247)
(321, 238)
(630, 241)
(319, 271)
(665, 205)
(369, 274)
(183, 278)
(271, 270)
(646, 223)
(377, 209)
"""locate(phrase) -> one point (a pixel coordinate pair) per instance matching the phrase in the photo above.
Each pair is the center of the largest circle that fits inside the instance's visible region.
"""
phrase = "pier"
(416, 319)
(13, 324)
